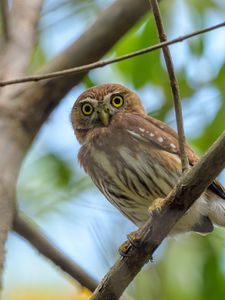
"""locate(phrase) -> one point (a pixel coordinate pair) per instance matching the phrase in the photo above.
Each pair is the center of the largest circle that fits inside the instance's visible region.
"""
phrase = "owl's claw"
(135, 238)
(124, 249)
(156, 206)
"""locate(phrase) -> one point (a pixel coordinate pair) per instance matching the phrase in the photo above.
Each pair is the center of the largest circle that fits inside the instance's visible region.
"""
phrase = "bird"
(134, 159)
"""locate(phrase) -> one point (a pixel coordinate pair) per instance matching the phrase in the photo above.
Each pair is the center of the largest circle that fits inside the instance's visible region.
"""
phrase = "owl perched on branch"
(133, 158)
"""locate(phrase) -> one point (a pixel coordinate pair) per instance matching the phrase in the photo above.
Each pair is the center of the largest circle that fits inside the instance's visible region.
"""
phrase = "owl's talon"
(135, 238)
(124, 249)
(156, 206)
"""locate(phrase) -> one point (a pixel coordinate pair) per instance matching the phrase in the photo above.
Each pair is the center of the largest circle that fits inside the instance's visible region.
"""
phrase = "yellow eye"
(87, 109)
(117, 101)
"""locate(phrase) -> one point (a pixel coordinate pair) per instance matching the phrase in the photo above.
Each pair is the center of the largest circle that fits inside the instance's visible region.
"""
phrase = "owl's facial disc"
(99, 111)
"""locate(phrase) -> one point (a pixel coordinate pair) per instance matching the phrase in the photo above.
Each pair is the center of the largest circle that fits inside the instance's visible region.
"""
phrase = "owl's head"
(98, 106)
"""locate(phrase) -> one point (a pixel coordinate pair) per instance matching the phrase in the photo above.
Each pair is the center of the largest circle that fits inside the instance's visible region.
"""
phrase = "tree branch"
(14, 58)
(102, 63)
(33, 235)
(189, 188)
(173, 83)
(13, 145)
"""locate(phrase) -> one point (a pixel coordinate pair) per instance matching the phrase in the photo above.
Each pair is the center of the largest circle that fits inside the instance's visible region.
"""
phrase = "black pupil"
(87, 108)
(117, 100)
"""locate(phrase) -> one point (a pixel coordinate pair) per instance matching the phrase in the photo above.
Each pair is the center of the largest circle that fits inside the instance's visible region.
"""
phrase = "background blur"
(56, 193)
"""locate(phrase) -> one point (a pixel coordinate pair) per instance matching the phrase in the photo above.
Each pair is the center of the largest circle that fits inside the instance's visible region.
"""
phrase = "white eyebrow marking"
(160, 139)
(142, 129)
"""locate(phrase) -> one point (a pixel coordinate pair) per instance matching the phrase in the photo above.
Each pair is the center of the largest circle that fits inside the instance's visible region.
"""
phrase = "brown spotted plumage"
(134, 159)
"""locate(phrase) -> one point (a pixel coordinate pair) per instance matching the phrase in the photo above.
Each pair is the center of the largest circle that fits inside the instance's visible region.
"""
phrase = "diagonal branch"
(30, 232)
(102, 63)
(33, 235)
(189, 188)
(173, 83)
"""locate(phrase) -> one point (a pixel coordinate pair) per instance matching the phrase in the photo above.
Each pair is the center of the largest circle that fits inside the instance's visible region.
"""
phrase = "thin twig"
(36, 238)
(4, 16)
(173, 83)
(103, 63)
(188, 189)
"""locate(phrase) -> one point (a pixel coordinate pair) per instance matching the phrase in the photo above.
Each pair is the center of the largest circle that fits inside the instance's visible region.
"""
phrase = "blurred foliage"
(48, 183)
(188, 267)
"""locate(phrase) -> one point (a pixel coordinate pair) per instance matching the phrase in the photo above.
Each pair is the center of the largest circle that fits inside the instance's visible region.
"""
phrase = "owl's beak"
(104, 117)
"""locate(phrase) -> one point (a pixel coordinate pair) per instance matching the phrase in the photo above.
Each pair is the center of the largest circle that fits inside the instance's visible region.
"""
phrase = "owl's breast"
(129, 173)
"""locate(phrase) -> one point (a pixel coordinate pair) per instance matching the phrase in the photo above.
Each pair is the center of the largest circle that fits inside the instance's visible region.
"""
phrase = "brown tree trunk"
(13, 145)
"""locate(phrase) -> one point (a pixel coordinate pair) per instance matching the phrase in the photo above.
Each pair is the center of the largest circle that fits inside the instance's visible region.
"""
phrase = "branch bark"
(189, 188)
(173, 83)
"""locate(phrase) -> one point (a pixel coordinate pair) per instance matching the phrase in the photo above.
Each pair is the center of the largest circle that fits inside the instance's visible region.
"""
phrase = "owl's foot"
(134, 239)
(156, 206)
(124, 249)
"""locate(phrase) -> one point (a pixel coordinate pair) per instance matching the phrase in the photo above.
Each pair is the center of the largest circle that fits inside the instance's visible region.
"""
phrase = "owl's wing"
(165, 138)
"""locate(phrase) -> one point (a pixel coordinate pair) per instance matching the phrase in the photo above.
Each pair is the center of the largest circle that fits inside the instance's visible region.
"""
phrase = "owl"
(133, 159)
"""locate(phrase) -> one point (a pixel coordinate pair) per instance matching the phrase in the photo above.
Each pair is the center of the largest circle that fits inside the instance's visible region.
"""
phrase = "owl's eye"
(117, 101)
(87, 109)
